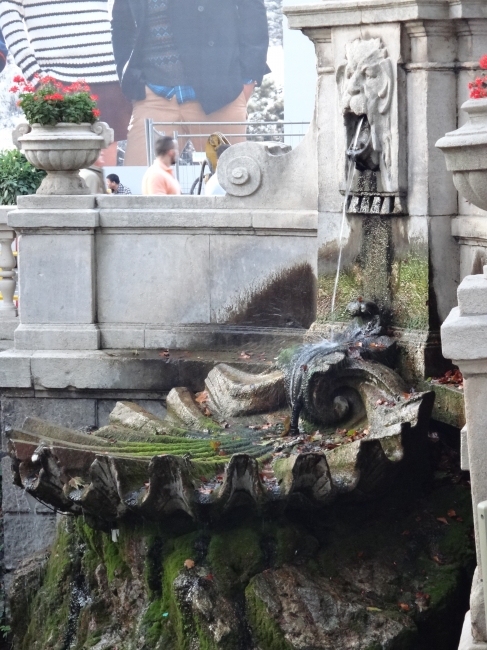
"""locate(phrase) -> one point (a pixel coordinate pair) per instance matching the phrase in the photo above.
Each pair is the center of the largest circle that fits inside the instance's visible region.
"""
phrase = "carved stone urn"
(466, 153)
(62, 150)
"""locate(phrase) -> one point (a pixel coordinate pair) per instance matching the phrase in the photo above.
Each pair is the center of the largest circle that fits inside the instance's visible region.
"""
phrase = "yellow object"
(212, 144)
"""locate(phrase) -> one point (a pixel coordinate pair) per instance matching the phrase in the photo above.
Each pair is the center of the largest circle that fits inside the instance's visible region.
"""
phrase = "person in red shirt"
(159, 178)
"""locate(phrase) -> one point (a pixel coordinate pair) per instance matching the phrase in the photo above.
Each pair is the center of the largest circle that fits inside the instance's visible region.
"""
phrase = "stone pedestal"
(464, 340)
(398, 243)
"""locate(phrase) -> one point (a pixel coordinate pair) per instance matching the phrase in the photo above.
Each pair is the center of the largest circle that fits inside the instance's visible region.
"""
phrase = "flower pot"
(466, 153)
(62, 150)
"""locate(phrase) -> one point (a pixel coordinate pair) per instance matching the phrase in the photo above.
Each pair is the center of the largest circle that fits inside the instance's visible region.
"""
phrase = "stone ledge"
(53, 218)
(57, 337)
(472, 295)
(51, 201)
(466, 641)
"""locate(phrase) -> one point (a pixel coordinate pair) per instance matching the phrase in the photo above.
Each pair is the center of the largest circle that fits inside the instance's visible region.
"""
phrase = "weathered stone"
(182, 408)
(135, 417)
(233, 392)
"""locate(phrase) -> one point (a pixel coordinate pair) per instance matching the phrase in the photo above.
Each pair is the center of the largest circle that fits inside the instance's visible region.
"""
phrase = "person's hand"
(248, 89)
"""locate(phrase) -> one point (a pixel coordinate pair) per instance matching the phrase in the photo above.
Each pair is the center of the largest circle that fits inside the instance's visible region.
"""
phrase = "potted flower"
(63, 134)
(466, 148)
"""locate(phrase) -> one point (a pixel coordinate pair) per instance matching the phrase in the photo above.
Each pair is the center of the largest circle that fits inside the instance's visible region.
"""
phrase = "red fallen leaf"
(341, 432)
(201, 397)
(222, 453)
(209, 576)
(189, 564)
(406, 395)
(404, 607)
(361, 554)
(406, 532)
(215, 444)
(331, 446)
(420, 594)
(459, 518)
(451, 513)
(245, 355)
(219, 478)
(204, 479)
(207, 412)
(164, 353)
(443, 520)
(304, 367)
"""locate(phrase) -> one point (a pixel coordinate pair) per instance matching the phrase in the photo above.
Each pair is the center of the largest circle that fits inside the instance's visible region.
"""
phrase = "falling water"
(350, 170)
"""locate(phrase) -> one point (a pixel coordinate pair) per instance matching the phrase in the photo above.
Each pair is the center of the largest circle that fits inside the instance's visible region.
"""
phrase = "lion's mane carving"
(366, 82)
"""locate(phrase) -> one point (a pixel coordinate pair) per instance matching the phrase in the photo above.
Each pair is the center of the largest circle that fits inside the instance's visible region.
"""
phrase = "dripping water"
(350, 171)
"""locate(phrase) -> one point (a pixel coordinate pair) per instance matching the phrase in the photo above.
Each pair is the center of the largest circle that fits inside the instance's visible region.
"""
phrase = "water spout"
(350, 171)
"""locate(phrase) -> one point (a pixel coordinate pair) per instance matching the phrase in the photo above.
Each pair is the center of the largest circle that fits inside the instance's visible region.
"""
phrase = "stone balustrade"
(8, 275)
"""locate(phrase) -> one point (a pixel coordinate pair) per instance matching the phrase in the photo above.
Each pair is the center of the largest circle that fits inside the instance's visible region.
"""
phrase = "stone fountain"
(208, 395)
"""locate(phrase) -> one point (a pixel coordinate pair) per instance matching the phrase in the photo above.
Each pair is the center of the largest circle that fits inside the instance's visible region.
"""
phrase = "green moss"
(235, 556)
(50, 607)
(349, 288)
(409, 285)
(264, 628)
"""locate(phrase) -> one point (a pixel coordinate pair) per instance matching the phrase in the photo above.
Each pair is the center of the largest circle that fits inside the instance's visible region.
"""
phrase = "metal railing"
(192, 136)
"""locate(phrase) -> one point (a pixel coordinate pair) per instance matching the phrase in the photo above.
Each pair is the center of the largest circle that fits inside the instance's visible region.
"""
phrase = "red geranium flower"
(94, 97)
(483, 62)
(19, 79)
(14, 89)
(95, 112)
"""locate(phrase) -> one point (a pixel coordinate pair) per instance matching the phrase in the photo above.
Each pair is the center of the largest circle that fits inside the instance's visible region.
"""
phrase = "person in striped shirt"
(68, 40)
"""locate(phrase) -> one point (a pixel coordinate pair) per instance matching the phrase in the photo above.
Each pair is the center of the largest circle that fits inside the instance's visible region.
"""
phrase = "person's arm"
(16, 37)
(253, 39)
(123, 34)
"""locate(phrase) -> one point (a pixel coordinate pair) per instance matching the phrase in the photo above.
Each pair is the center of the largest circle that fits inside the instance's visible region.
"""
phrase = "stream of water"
(350, 171)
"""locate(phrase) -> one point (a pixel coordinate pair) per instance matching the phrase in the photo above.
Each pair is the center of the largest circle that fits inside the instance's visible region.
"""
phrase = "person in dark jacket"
(3, 53)
(188, 61)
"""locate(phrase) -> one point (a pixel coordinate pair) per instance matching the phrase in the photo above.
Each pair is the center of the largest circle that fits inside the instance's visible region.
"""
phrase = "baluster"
(8, 263)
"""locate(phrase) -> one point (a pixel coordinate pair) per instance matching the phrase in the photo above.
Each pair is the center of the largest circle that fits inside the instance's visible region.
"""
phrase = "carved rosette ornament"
(241, 176)
(62, 150)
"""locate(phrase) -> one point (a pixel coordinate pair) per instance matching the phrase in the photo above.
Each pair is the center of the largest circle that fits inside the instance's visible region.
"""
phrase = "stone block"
(57, 337)
(120, 337)
(7, 329)
(472, 295)
(284, 220)
(71, 219)
(26, 533)
(56, 288)
(275, 280)
(59, 202)
(103, 370)
(15, 369)
(172, 274)
(172, 218)
(71, 413)
(464, 337)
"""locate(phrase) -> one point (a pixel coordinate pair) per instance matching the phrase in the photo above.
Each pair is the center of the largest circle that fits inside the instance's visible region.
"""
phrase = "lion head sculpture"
(366, 82)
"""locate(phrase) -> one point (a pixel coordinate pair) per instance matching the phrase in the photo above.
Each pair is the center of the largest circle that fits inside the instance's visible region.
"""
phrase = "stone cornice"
(332, 13)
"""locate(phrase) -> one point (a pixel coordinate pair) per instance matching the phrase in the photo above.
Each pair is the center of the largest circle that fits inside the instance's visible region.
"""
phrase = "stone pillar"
(56, 272)
(8, 312)
(464, 340)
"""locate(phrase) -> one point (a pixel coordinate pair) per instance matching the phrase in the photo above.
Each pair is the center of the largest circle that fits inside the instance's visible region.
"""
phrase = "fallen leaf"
(201, 397)
(222, 453)
(361, 554)
(443, 520)
(164, 353)
(406, 532)
(437, 559)
(460, 519)
(209, 576)
(451, 513)
(189, 564)
(215, 444)
(404, 607)
(287, 425)
(245, 355)
(373, 609)
(207, 412)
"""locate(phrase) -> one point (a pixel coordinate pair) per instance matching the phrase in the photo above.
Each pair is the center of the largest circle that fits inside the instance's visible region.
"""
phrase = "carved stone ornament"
(241, 176)
(62, 150)
(366, 84)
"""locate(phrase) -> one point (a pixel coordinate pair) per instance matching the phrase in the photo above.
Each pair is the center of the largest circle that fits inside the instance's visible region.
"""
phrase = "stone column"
(56, 272)
(464, 340)
(8, 312)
